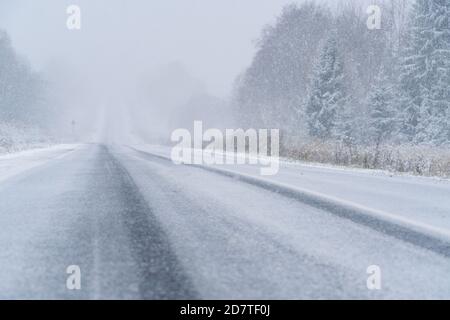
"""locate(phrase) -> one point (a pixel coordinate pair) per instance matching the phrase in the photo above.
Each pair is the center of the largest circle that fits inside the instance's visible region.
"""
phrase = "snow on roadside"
(12, 164)
(289, 162)
(422, 199)
(14, 138)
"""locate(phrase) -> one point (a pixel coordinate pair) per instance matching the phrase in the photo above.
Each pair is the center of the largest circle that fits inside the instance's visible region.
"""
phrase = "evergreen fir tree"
(327, 94)
(382, 113)
(425, 72)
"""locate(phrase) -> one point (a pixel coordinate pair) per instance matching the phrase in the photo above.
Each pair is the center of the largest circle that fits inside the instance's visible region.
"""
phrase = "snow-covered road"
(141, 227)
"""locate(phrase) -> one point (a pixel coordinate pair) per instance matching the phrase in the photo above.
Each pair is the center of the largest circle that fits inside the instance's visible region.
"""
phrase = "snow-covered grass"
(15, 163)
(417, 160)
(14, 138)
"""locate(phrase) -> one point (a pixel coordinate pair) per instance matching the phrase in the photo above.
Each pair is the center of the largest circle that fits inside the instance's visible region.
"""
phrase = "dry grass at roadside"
(418, 160)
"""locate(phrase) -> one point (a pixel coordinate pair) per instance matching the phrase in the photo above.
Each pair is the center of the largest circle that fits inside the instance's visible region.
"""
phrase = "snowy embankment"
(422, 160)
(15, 163)
(15, 138)
(416, 209)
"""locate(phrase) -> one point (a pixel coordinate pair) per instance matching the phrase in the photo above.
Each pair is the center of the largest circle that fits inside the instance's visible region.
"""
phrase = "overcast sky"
(214, 39)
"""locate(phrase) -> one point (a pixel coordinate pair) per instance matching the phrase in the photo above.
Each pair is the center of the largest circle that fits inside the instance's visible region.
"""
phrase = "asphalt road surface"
(140, 227)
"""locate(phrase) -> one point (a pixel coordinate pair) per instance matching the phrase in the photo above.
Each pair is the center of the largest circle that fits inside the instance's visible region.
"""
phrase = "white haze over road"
(126, 50)
(124, 55)
(213, 39)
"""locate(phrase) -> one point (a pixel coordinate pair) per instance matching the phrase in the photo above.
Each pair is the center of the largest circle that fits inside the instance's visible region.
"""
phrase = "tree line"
(324, 75)
(21, 89)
